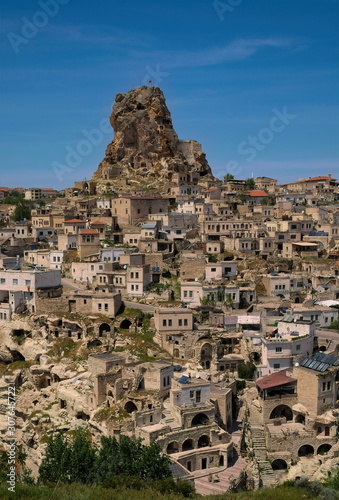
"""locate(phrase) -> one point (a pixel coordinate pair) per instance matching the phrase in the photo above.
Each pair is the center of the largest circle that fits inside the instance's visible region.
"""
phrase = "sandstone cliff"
(146, 150)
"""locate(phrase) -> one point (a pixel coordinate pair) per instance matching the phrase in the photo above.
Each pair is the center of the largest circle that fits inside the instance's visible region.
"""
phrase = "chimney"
(329, 175)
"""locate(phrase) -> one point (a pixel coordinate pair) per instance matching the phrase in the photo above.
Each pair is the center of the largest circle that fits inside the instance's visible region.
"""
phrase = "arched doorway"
(173, 447)
(279, 464)
(200, 419)
(203, 441)
(297, 300)
(187, 445)
(130, 407)
(282, 411)
(300, 419)
(206, 355)
(125, 324)
(94, 343)
(324, 449)
(305, 450)
(104, 328)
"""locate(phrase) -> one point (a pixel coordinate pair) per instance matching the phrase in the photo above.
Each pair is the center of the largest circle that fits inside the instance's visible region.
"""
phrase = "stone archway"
(206, 354)
(104, 328)
(300, 419)
(187, 445)
(130, 407)
(324, 449)
(305, 450)
(200, 419)
(282, 411)
(172, 447)
(203, 441)
(125, 324)
(279, 464)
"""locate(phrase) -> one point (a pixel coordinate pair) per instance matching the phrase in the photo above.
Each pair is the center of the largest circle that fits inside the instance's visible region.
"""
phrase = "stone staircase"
(266, 474)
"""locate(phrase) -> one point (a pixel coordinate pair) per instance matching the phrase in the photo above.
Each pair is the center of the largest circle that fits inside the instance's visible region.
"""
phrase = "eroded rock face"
(146, 148)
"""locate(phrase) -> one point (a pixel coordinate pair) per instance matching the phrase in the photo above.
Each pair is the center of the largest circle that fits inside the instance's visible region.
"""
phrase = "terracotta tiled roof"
(88, 231)
(320, 178)
(274, 380)
(97, 221)
(73, 221)
(258, 192)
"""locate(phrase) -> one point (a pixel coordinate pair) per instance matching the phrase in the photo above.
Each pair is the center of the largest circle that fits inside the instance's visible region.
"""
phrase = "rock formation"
(146, 151)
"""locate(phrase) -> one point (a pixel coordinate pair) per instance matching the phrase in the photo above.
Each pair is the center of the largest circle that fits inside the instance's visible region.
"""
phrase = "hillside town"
(159, 302)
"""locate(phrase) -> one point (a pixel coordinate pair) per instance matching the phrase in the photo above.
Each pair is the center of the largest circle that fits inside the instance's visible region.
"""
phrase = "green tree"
(246, 370)
(107, 458)
(153, 464)
(82, 459)
(21, 212)
(55, 465)
(228, 177)
(250, 183)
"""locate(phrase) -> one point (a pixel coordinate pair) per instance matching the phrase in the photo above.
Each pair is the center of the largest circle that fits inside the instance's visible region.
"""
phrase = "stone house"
(133, 209)
(282, 349)
(20, 289)
(88, 242)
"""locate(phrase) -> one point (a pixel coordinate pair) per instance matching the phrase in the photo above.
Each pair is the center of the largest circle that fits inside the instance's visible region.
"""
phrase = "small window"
(99, 307)
(169, 322)
(164, 322)
(276, 366)
(185, 322)
(15, 281)
(191, 394)
(278, 349)
(180, 322)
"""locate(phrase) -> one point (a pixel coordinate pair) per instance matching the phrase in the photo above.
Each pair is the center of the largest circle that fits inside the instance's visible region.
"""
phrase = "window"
(185, 293)
(2, 280)
(276, 366)
(328, 386)
(191, 394)
(85, 301)
(278, 349)
(132, 275)
(198, 396)
(106, 307)
(190, 293)
(92, 268)
(213, 269)
(99, 307)
(180, 322)
(136, 276)
(27, 282)
(298, 347)
(169, 322)
(324, 386)
(15, 281)
(164, 322)
(185, 322)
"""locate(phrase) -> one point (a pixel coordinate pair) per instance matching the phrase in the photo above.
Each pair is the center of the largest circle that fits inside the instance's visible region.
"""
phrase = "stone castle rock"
(146, 151)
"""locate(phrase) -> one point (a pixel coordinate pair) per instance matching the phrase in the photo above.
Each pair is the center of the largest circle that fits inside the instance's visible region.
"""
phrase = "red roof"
(98, 222)
(257, 192)
(274, 380)
(73, 221)
(320, 178)
(88, 231)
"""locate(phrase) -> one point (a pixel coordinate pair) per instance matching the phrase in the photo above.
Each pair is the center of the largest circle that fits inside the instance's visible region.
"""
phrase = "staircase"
(266, 474)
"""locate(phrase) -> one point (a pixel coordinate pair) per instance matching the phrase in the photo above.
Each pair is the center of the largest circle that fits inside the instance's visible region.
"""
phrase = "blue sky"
(227, 69)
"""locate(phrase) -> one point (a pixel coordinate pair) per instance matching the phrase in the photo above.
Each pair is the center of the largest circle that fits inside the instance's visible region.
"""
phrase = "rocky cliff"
(146, 151)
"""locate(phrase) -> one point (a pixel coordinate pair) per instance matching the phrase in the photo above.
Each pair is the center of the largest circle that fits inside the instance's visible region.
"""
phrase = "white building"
(283, 348)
